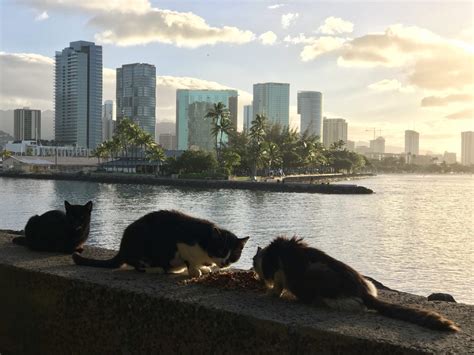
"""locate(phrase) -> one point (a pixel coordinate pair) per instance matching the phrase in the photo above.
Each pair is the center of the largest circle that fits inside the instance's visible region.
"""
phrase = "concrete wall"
(48, 305)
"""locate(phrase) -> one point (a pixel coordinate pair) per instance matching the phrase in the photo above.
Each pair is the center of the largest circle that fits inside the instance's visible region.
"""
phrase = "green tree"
(220, 125)
(257, 137)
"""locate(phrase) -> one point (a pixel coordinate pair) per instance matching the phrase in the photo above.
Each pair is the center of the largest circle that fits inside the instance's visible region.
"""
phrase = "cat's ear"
(67, 205)
(243, 241)
(88, 205)
(259, 250)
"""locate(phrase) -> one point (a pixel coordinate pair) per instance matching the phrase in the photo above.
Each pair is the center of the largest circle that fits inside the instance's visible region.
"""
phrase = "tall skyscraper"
(273, 101)
(26, 124)
(412, 142)
(78, 95)
(108, 123)
(310, 109)
(248, 116)
(467, 148)
(334, 130)
(136, 95)
(193, 129)
(377, 145)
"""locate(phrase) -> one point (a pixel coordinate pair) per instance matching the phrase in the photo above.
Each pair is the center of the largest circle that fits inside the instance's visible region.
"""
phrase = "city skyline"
(393, 94)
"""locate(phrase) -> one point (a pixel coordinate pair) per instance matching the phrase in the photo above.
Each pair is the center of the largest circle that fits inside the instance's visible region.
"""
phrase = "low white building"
(32, 148)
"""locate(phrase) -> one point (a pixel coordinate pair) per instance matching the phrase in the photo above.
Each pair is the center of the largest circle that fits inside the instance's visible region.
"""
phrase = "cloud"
(276, 6)
(26, 79)
(320, 46)
(164, 26)
(301, 38)
(445, 100)
(288, 19)
(268, 38)
(129, 23)
(390, 85)
(467, 114)
(335, 25)
(42, 16)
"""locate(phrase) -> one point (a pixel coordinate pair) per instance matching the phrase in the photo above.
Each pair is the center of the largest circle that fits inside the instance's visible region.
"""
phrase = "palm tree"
(219, 115)
(155, 152)
(257, 137)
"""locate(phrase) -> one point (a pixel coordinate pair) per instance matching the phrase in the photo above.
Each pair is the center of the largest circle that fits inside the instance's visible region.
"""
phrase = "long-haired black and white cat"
(314, 277)
(172, 241)
(56, 231)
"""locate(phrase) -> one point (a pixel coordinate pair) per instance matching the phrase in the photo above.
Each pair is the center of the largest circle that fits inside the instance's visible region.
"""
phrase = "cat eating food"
(170, 241)
(314, 277)
(56, 231)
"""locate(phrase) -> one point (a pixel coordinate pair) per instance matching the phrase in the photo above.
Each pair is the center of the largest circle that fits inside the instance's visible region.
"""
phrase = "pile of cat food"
(229, 280)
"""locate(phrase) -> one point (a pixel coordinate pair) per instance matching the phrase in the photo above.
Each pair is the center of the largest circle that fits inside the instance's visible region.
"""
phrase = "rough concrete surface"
(48, 305)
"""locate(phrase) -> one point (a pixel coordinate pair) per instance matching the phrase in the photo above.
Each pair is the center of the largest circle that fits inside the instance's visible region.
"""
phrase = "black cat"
(171, 241)
(314, 277)
(56, 231)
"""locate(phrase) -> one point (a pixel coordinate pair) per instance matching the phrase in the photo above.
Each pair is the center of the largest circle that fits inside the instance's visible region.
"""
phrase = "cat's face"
(78, 216)
(226, 248)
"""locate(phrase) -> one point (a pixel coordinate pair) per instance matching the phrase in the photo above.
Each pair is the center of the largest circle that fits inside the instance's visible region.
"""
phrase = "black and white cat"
(56, 231)
(314, 277)
(171, 241)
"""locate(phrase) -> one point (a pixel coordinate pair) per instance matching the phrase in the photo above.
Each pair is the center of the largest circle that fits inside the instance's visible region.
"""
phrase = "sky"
(386, 66)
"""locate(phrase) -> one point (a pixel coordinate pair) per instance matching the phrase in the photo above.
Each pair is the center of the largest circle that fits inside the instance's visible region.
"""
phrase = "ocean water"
(415, 234)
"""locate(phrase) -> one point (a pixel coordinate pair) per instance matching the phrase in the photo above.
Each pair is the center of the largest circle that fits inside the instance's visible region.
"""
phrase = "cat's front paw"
(194, 272)
(205, 269)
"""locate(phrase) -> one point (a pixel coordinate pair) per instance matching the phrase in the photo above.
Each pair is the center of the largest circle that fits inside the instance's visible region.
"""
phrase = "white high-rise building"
(248, 116)
(377, 145)
(78, 95)
(310, 109)
(108, 123)
(26, 124)
(334, 130)
(467, 148)
(273, 101)
(412, 142)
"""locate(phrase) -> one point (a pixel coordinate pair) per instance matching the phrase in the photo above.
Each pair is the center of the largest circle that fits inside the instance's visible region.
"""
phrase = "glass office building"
(78, 95)
(310, 109)
(273, 101)
(193, 129)
(136, 95)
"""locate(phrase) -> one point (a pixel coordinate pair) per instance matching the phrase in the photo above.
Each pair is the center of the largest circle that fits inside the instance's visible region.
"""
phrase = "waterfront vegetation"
(261, 150)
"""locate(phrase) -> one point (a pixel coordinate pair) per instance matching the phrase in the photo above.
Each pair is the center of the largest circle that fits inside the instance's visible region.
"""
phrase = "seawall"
(48, 305)
(195, 183)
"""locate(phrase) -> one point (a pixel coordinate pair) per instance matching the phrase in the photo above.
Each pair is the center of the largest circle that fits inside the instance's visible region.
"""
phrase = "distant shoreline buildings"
(467, 148)
(273, 101)
(26, 124)
(334, 130)
(310, 109)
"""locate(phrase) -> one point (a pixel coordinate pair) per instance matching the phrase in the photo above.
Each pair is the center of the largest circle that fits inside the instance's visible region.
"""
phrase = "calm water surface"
(415, 234)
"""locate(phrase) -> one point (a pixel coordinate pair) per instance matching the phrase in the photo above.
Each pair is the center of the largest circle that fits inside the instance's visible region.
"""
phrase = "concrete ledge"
(48, 305)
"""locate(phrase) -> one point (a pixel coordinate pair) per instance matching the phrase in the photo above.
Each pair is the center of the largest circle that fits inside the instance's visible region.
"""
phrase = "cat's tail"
(20, 241)
(113, 263)
(423, 317)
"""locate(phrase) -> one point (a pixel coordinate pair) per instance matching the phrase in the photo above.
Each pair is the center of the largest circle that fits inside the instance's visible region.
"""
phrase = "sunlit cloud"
(268, 38)
(288, 19)
(274, 7)
(446, 100)
(320, 46)
(130, 23)
(390, 85)
(467, 114)
(335, 25)
(42, 16)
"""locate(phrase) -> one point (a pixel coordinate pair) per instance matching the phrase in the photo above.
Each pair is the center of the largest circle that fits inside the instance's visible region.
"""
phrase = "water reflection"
(414, 234)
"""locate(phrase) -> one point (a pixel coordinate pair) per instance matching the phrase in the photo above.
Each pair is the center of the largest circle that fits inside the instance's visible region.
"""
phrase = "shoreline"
(301, 187)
